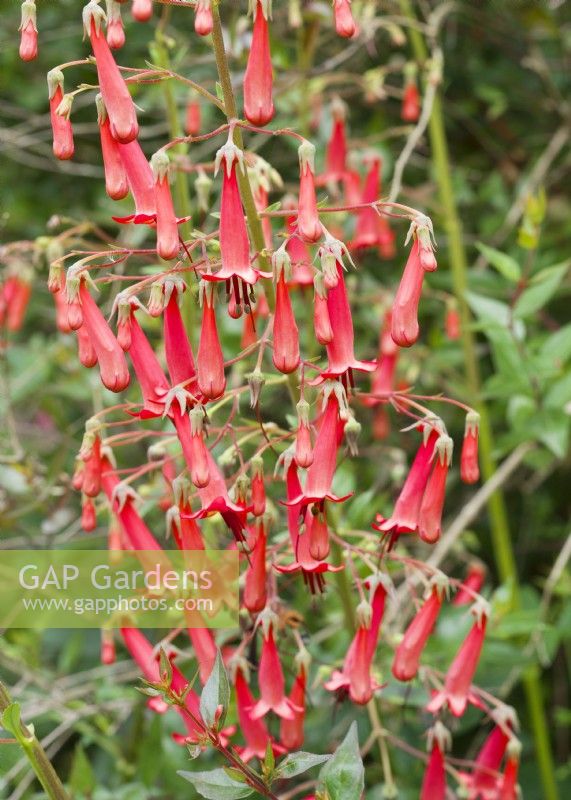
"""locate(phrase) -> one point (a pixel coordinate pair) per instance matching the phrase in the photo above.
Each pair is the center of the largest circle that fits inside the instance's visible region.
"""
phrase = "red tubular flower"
(211, 379)
(508, 786)
(118, 102)
(108, 654)
(473, 582)
(457, 685)
(215, 500)
(291, 730)
(116, 183)
(203, 21)
(308, 225)
(317, 533)
(258, 487)
(141, 183)
(88, 517)
(355, 677)
(382, 383)
(91, 455)
(255, 591)
(167, 231)
(410, 110)
(112, 363)
(85, 350)
(430, 514)
(336, 156)
(115, 31)
(285, 355)
(61, 126)
(344, 22)
(321, 320)
(14, 298)
(434, 782)
(270, 676)
(28, 31)
(192, 119)
(367, 230)
(234, 244)
(178, 352)
(404, 518)
(303, 446)
(258, 79)
(407, 655)
(191, 436)
(254, 730)
(484, 781)
(142, 10)
(452, 322)
(469, 469)
(298, 251)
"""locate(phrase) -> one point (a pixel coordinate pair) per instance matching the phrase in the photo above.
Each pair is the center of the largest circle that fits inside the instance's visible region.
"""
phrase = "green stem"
(501, 540)
(36, 755)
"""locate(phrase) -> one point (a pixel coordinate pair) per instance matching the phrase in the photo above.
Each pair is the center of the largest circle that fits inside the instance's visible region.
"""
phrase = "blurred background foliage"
(507, 112)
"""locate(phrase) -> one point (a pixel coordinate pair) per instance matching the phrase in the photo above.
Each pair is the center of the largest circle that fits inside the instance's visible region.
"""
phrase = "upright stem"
(36, 755)
(501, 540)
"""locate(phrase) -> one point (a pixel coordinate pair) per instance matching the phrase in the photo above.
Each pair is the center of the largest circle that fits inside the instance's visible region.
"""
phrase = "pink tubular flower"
(258, 487)
(14, 298)
(469, 469)
(270, 675)
(211, 380)
(178, 352)
(473, 582)
(192, 118)
(141, 183)
(407, 655)
(118, 102)
(303, 446)
(91, 455)
(430, 514)
(116, 183)
(509, 786)
(142, 10)
(112, 363)
(452, 322)
(255, 592)
(167, 231)
(234, 244)
(258, 79)
(434, 782)
(344, 22)
(85, 350)
(88, 517)
(285, 356)
(150, 376)
(108, 654)
(457, 685)
(317, 533)
(214, 499)
(372, 229)
(308, 225)
(355, 677)
(61, 126)
(203, 21)
(194, 448)
(28, 31)
(484, 781)
(404, 518)
(336, 157)
(254, 730)
(298, 251)
(115, 31)
(383, 378)
(410, 110)
(321, 320)
(291, 730)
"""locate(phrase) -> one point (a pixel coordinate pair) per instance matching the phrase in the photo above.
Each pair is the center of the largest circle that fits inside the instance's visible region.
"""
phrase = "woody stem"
(501, 540)
(35, 754)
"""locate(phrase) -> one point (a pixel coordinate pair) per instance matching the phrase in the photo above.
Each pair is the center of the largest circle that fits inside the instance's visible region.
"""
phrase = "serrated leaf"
(297, 763)
(216, 694)
(505, 265)
(343, 777)
(216, 785)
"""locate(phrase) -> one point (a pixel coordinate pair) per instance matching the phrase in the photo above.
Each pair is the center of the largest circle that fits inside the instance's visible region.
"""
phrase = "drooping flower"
(285, 355)
(291, 730)
(407, 655)
(258, 79)
(452, 321)
(194, 448)
(61, 125)
(108, 654)
(270, 675)
(457, 685)
(28, 31)
(383, 380)
(430, 514)
(192, 118)
(142, 10)
(404, 518)
(483, 782)
(303, 446)
(141, 184)
(434, 781)
(344, 22)
(472, 583)
(214, 499)
(317, 533)
(509, 789)
(88, 516)
(355, 677)
(178, 351)
(203, 21)
(254, 730)
(255, 590)
(258, 487)
(234, 243)
(115, 31)
(14, 298)
(469, 469)
(90, 454)
(410, 110)
(321, 321)
(308, 225)
(336, 156)
(167, 230)
(116, 183)
(85, 350)
(298, 251)
(211, 379)
(118, 102)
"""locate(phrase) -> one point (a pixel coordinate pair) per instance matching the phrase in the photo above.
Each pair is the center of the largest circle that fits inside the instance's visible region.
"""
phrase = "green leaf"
(557, 346)
(12, 722)
(543, 287)
(216, 785)
(297, 763)
(81, 778)
(343, 777)
(506, 265)
(216, 694)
